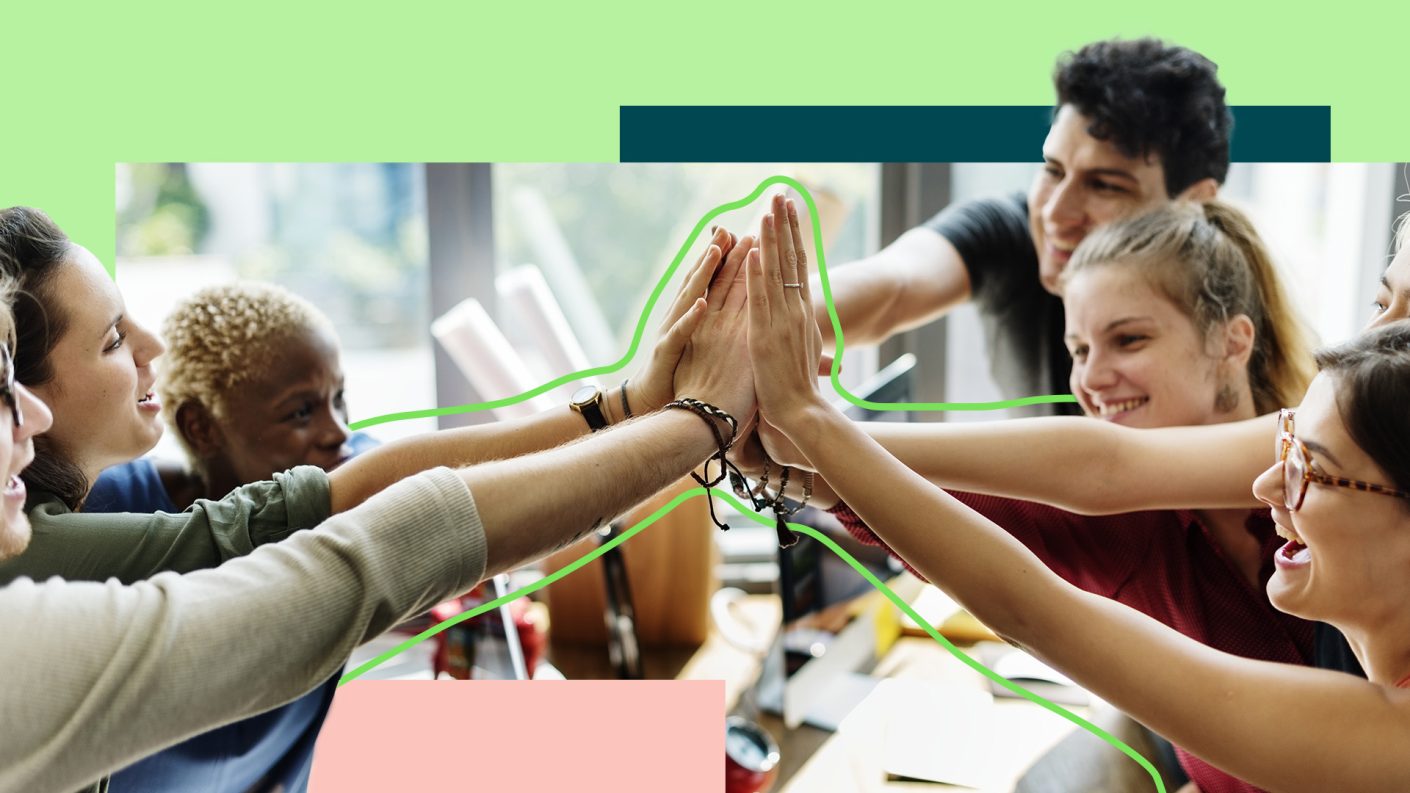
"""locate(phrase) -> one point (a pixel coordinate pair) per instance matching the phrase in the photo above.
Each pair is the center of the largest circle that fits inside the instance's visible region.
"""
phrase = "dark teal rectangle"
(1013, 133)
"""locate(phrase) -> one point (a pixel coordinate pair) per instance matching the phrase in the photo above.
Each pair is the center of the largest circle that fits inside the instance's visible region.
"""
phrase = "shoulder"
(993, 239)
(1006, 214)
(136, 486)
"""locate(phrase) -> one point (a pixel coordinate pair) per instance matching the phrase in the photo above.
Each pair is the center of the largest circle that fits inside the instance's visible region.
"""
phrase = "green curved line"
(895, 599)
(661, 284)
(698, 491)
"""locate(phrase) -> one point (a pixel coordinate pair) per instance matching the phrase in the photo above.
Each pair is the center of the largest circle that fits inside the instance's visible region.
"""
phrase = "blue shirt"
(272, 751)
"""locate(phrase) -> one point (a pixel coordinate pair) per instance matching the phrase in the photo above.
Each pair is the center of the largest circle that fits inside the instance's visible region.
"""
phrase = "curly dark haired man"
(1137, 124)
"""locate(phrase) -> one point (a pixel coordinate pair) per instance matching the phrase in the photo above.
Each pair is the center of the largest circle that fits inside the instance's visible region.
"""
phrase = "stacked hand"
(746, 300)
(702, 348)
(785, 345)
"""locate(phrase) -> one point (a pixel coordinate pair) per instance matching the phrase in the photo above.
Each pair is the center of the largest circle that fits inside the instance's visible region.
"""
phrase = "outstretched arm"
(366, 474)
(408, 547)
(1032, 459)
(1278, 726)
(908, 283)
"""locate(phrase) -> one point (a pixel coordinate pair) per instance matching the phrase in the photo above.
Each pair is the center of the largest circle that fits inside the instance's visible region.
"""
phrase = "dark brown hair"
(1148, 97)
(32, 249)
(1372, 374)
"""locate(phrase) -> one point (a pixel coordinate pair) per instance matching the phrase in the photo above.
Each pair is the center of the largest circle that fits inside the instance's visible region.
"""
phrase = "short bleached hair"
(219, 337)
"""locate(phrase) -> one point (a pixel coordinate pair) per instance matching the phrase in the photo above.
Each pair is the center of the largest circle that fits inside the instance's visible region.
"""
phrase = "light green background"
(89, 85)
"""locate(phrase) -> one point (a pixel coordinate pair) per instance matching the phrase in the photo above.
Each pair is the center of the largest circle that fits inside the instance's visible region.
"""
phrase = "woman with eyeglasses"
(92, 364)
(1125, 469)
(1173, 317)
(99, 674)
(1339, 496)
(28, 417)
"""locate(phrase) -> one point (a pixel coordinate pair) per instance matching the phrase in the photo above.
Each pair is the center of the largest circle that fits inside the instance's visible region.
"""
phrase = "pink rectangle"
(581, 735)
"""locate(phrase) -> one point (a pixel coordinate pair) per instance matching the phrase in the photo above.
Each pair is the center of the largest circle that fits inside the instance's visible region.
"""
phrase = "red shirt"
(1164, 564)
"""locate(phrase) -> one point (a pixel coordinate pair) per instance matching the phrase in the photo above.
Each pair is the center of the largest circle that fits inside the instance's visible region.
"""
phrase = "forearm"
(863, 299)
(1027, 459)
(1278, 726)
(1232, 711)
(101, 674)
(378, 468)
(536, 504)
(928, 528)
(1121, 469)
(908, 283)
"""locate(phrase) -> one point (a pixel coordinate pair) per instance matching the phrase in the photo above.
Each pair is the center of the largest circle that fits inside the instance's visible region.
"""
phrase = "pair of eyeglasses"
(1297, 468)
(7, 391)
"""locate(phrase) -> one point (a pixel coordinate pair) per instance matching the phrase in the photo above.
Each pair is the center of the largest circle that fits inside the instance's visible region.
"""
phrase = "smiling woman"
(22, 417)
(1171, 318)
(1177, 317)
(71, 315)
(1276, 725)
(253, 386)
(92, 364)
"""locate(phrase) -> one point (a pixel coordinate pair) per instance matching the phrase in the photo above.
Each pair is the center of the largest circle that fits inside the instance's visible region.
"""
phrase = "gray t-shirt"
(1023, 322)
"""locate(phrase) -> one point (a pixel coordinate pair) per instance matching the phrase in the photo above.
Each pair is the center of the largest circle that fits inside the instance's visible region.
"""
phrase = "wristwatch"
(587, 402)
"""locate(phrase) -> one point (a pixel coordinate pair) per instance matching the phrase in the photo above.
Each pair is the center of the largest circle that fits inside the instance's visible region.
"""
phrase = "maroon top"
(1164, 564)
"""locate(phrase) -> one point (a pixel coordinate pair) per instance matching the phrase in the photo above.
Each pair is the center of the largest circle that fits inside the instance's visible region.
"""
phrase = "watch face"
(584, 395)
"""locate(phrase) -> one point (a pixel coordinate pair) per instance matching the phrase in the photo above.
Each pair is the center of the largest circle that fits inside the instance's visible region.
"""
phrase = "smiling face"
(1084, 183)
(1349, 550)
(1138, 360)
(101, 393)
(290, 413)
(16, 452)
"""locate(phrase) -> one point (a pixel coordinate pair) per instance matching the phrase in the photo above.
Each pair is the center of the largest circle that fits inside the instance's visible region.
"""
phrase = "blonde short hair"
(220, 336)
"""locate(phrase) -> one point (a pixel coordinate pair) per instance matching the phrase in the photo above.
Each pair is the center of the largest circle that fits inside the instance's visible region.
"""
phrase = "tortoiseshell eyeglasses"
(1297, 468)
(7, 384)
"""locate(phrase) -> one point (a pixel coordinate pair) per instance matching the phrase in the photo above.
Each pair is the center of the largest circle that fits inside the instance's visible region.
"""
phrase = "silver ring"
(792, 286)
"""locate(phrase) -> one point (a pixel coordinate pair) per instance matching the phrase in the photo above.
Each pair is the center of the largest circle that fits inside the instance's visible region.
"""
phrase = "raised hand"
(713, 367)
(784, 342)
(655, 385)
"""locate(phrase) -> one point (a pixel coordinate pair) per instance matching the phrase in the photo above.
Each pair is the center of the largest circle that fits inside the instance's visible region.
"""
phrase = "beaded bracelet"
(760, 500)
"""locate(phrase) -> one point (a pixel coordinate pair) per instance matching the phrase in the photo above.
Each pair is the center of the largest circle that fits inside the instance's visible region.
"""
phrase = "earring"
(1226, 398)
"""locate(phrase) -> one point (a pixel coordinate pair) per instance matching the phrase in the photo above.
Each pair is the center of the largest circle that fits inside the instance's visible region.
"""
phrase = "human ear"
(199, 430)
(1200, 192)
(1239, 336)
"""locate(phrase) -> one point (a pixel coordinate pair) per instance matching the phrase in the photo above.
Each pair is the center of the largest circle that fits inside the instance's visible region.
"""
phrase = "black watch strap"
(587, 402)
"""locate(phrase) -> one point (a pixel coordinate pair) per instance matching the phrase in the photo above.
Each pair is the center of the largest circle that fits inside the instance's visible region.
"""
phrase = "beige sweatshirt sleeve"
(93, 676)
